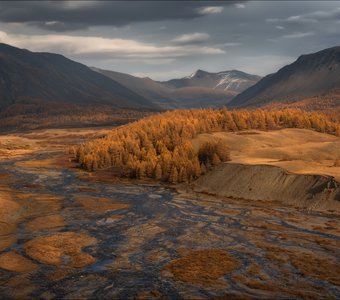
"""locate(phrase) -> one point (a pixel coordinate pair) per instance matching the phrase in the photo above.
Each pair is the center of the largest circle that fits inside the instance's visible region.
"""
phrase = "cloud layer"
(163, 39)
(106, 47)
(191, 38)
(71, 15)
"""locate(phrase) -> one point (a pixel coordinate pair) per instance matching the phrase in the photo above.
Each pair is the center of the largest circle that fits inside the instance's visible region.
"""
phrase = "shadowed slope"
(310, 75)
(53, 78)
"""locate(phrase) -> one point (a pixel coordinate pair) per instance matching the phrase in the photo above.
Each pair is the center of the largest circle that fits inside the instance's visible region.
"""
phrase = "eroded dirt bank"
(64, 237)
(271, 183)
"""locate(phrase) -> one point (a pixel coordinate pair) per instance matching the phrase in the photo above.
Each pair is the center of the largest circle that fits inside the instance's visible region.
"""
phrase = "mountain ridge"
(310, 75)
(207, 91)
(229, 80)
(51, 77)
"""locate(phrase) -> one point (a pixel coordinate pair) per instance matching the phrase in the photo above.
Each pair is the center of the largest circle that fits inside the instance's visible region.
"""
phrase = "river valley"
(67, 234)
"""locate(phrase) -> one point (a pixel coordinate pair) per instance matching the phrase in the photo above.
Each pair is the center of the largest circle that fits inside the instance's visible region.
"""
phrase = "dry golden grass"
(255, 270)
(315, 223)
(62, 248)
(261, 224)
(6, 228)
(12, 146)
(148, 295)
(22, 145)
(12, 261)
(58, 161)
(4, 175)
(255, 284)
(98, 176)
(296, 150)
(308, 263)
(229, 212)
(58, 134)
(21, 287)
(158, 255)
(7, 241)
(203, 267)
(98, 204)
(297, 289)
(10, 213)
(39, 197)
(9, 210)
(37, 204)
(61, 273)
(87, 189)
(46, 222)
(318, 267)
(256, 280)
(41, 163)
(33, 186)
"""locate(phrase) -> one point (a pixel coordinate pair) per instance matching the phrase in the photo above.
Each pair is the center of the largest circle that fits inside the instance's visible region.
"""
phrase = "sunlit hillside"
(160, 146)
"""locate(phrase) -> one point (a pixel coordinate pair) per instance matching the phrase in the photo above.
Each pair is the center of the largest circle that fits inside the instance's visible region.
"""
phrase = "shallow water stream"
(140, 230)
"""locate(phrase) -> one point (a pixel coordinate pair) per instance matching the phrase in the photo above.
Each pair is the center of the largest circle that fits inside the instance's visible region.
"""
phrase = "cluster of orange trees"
(160, 147)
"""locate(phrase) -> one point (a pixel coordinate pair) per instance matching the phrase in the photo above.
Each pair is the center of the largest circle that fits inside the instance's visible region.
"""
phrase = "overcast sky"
(171, 39)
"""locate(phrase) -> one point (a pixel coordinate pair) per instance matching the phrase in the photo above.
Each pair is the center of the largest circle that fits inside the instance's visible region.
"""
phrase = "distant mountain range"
(200, 89)
(231, 81)
(311, 78)
(44, 79)
(47, 78)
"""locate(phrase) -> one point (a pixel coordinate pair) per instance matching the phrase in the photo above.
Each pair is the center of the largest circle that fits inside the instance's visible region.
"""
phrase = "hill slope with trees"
(160, 146)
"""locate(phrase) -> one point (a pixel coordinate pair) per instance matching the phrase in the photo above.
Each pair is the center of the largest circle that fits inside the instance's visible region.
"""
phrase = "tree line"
(159, 146)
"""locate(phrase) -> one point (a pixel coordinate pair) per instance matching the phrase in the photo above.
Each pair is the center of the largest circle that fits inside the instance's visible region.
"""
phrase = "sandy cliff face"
(271, 183)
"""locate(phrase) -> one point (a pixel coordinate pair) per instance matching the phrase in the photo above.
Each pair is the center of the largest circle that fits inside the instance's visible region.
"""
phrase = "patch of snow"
(229, 83)
(191, 75)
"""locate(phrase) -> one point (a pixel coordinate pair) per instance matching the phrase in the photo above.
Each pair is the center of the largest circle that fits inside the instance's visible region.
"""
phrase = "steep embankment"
(289, 165)
(271, 183)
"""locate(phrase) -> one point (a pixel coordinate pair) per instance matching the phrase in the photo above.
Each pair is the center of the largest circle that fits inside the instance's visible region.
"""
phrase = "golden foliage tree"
(160, 147)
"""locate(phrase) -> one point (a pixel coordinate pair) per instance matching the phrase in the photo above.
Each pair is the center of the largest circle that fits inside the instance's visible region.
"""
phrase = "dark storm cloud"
(164, 40)
(70, 15)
